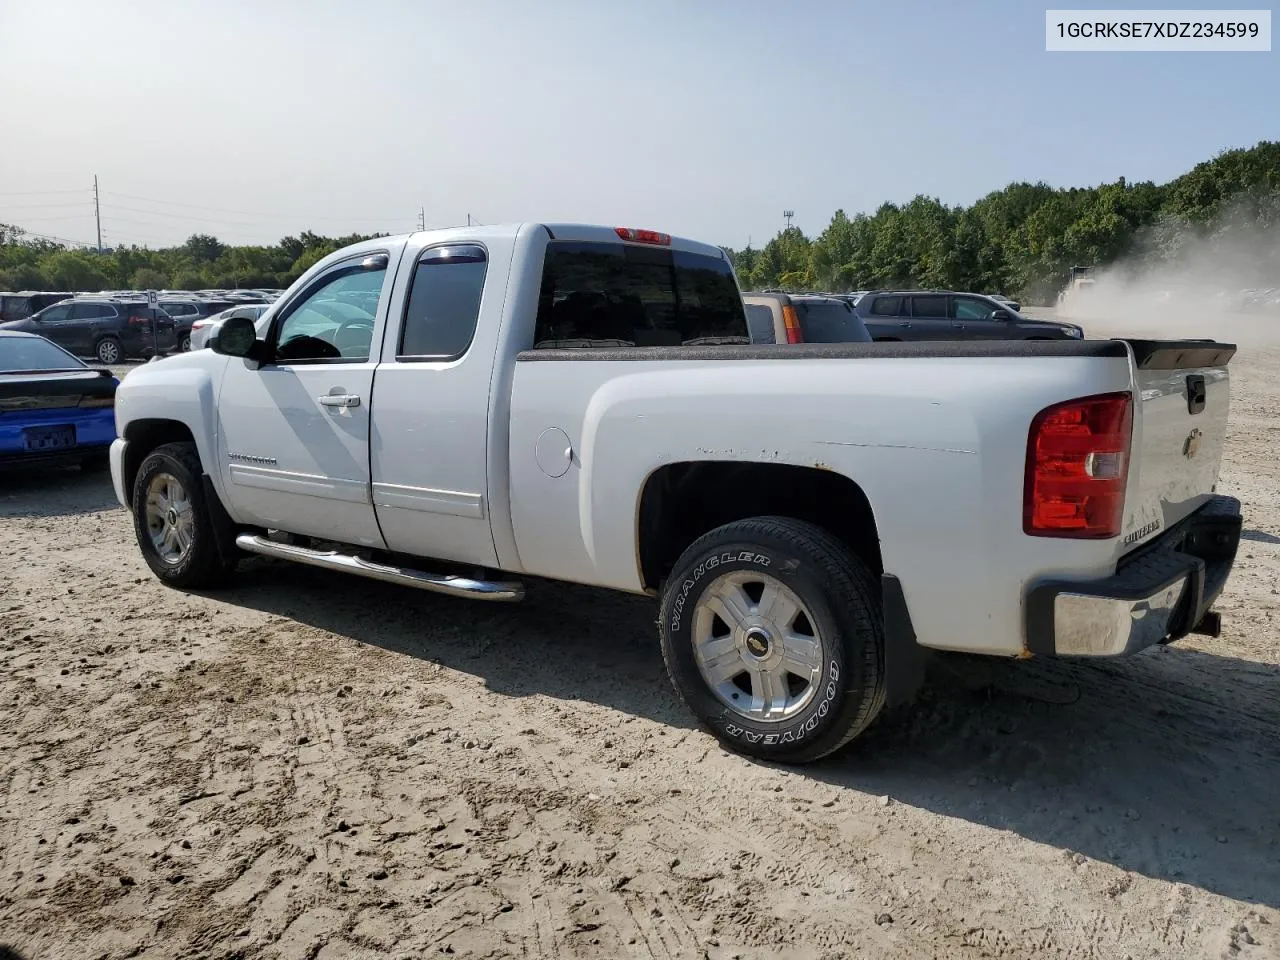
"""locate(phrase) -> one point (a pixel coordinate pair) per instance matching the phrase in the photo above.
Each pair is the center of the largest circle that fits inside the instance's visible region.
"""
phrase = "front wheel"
(185, 345)
(772, 634)
(108, 350)
(173, 522)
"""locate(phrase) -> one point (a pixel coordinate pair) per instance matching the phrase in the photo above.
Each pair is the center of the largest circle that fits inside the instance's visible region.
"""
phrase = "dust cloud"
(1179, 282)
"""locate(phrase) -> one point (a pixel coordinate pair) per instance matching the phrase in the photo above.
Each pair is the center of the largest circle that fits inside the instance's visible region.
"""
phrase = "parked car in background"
(945, 315)
(802, 318)
(106, 328)
(205, 327)
(19, 306)
(188, 311)
(1011, 304)
(53, 407)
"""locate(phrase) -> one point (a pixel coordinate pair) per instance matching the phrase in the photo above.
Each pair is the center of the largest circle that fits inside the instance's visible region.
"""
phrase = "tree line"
(1020, 240)
(1025, 238)
(203, 262)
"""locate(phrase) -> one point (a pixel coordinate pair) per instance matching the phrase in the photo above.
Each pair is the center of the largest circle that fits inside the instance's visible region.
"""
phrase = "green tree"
(75, 272)
(149, 279)
(202, 248)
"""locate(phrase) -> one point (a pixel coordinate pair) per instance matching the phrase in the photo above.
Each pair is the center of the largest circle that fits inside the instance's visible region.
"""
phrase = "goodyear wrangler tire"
(773, 636)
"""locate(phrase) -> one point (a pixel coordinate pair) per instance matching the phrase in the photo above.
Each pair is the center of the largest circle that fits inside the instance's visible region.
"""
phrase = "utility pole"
(788, 214)
(97, 212)
(468, 219)
(422, 218)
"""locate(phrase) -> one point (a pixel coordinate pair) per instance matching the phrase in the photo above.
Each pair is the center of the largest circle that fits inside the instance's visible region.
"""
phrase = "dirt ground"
(309, 766)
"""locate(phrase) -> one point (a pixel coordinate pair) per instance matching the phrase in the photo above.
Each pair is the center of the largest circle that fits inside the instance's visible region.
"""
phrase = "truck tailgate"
(1183, 392)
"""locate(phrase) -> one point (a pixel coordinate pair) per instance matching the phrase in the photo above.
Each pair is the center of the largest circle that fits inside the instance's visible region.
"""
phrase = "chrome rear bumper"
(1160, 593)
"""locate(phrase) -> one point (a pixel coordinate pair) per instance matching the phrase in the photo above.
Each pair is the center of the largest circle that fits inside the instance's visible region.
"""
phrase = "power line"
(43, 206)
(41, 193)
(73, 216)
(246, 213)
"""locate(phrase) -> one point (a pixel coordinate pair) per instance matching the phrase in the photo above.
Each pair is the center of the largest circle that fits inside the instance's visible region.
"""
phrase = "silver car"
(202, 329)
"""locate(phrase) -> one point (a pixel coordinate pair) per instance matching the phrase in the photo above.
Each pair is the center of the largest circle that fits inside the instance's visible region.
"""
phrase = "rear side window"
(830, 321)
(444, 303)
(618, 295)
(886, 307)
(760, 323)
(928, 306)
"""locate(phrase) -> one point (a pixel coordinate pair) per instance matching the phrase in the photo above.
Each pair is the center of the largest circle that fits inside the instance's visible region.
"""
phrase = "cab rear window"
(618, 295)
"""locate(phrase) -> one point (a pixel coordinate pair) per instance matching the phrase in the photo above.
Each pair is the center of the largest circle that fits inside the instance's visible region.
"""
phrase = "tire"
(185, 345)
(839, 602)
(108, 351)
(197, 554)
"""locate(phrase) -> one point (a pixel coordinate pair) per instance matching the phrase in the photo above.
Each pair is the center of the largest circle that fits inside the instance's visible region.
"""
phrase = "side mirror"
(237, 337)
(1000, 315)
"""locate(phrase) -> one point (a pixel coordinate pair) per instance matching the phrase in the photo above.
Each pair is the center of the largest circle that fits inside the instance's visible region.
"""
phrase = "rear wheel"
(174, 523)
(108, 350)
(772, 635)
(185, 344)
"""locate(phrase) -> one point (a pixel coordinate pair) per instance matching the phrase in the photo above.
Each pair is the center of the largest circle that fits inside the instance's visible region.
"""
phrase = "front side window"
(444, 303)
(333, 321)
(619, 295)
(55, 314)
(971, 308)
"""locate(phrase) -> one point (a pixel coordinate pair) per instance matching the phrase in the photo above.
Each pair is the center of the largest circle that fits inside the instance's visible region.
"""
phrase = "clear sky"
(705, 118)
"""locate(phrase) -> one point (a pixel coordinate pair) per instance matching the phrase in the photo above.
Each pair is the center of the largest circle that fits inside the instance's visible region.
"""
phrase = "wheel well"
(682, 501)
(144, 436)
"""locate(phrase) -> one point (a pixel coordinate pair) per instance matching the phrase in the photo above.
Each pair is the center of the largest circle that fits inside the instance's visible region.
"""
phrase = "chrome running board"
(346, 563)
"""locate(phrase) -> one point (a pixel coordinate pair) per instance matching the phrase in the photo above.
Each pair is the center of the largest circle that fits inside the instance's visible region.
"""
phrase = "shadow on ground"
(1258, 536)
(55, 491)
(1166, 764)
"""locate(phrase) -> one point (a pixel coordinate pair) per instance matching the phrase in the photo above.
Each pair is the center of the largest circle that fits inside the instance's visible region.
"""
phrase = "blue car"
(54, 408)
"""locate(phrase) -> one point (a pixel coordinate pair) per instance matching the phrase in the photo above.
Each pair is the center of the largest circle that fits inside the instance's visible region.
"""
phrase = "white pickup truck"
(456, 409)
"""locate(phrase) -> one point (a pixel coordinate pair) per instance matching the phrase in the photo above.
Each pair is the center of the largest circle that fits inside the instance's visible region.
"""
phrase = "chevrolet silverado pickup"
(455, 410)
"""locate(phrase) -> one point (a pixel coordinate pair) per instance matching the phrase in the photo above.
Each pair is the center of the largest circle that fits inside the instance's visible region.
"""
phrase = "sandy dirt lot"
(309, 766)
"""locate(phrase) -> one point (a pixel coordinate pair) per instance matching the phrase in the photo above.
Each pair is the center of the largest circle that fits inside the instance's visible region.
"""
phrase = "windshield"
(34, 353)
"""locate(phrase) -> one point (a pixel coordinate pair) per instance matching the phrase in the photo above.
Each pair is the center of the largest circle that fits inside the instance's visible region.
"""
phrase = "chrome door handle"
(904, 323)
(340, 400)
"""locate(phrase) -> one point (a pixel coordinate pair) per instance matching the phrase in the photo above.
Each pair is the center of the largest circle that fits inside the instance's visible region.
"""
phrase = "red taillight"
(139, 321)
(643, 236)
(1077, 468)
(791, 323)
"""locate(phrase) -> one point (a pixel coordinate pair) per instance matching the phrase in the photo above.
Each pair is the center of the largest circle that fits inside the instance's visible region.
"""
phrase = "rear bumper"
(1157, 594)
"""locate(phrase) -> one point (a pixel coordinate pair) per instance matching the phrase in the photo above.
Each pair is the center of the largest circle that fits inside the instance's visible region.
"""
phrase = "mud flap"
(904, 658)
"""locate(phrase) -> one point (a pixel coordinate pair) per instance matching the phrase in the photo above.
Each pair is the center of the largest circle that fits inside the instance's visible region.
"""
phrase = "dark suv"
(944, 315)
(106, 328)
(774, 317)
(19, 306)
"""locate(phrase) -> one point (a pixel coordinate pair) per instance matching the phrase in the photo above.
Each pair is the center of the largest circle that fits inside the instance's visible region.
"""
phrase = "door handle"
(340, 400)
(959, 326)
(904, 323)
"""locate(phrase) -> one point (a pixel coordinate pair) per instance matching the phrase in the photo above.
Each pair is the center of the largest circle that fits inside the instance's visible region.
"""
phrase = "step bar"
(499, 590)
